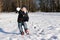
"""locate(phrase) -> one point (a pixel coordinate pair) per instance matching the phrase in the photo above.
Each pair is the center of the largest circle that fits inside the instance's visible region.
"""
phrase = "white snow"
(42, 26)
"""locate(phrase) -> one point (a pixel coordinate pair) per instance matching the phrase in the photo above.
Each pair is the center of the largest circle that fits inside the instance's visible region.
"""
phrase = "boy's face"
(24, 9)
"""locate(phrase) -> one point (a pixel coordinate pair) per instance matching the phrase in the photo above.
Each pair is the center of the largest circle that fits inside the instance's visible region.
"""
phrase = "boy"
(22, 19)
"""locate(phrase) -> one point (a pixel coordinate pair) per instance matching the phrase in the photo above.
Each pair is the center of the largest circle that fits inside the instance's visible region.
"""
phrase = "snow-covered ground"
(42, 26)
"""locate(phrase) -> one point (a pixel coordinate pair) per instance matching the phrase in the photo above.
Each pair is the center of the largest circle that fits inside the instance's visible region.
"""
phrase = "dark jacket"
(22, 17)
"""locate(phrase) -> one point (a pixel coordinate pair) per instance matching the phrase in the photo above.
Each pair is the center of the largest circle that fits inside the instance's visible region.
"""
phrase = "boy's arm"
(28, 16)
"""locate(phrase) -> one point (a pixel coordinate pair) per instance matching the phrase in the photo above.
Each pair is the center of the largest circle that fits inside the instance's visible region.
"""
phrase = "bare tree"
(1, 6)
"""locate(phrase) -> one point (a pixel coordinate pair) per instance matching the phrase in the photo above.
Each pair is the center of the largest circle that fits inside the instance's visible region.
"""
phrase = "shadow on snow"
(1, 30)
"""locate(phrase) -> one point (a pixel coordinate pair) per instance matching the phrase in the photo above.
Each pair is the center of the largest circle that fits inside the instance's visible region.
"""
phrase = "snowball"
(18, 8)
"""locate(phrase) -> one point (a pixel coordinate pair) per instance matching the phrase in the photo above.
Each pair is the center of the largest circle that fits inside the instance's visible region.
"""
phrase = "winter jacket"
(22, 17)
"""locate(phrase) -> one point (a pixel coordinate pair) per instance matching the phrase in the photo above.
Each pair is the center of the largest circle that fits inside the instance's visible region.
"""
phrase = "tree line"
(50, 5)
(10, 5)
(45, 5)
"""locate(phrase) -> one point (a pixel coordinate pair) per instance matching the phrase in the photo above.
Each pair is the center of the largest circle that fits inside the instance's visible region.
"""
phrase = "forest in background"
(32, 5)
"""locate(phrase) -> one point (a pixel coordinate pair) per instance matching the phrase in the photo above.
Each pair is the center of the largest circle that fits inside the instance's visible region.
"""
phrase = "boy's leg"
(25, 27)
(20, 27)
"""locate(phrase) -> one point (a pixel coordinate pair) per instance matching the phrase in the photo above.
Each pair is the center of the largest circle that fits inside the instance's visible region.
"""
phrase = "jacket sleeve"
(28, 17)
